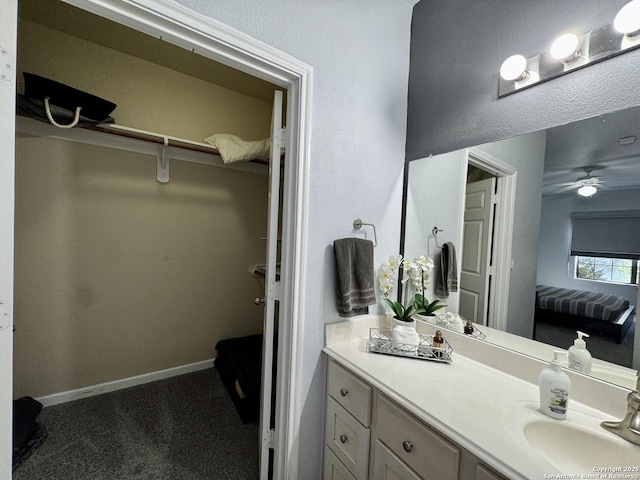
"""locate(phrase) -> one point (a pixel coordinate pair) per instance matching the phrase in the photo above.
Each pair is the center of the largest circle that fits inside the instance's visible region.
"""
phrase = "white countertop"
(466, 401)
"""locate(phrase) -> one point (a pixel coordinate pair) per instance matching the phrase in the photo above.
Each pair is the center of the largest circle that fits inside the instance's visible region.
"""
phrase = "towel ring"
(357, 225)
(434, 232)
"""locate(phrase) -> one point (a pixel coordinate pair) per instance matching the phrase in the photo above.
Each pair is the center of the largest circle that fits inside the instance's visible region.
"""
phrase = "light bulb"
(565, 47)
(627, 20)
(587, 190)
(514, 68)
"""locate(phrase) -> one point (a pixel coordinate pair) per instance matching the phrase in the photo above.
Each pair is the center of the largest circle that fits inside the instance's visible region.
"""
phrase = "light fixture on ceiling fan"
(587, 190)
(587, 185)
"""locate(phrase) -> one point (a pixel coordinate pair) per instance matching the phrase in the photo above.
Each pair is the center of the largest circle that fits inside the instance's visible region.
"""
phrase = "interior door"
(8, 35)
(272, 289)
(476, 250)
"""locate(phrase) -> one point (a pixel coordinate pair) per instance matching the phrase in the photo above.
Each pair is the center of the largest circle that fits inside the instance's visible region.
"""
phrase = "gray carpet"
(604, 348)
(182, 428)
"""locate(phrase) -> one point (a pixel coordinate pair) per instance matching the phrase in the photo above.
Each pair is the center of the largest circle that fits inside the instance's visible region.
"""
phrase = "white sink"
(577, 445)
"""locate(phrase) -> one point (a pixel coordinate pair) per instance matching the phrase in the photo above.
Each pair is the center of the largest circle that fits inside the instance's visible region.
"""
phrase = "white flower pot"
(404, 334)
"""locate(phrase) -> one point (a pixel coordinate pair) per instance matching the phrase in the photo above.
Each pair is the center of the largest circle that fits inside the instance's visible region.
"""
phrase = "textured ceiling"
(593, 143)
(77, 22)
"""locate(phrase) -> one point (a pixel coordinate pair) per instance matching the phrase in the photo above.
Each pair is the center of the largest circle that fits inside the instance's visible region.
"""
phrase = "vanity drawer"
(350, 392)
(420, 447)
(333, 468)
(347, 439)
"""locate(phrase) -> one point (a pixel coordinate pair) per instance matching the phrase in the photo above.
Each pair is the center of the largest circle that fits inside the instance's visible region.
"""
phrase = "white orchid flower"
(425, 262)
(394, 262)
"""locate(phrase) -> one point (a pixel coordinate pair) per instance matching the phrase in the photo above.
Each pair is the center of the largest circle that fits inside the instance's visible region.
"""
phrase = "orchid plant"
(417, 277)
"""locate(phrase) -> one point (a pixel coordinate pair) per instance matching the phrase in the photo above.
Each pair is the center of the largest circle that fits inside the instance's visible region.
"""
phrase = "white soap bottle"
(554, 389)
(579, 356)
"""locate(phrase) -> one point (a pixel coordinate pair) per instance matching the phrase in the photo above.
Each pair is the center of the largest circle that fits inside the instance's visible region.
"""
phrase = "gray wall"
(457, 48)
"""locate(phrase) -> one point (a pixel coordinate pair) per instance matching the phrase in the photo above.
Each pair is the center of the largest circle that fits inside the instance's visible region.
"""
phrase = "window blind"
(608, 234)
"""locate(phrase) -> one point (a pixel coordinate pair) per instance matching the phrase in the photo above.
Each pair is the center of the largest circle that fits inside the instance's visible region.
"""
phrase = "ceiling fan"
(587, 185)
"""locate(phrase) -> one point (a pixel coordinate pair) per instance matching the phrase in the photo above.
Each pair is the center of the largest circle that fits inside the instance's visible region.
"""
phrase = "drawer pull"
(407, 445)
(343, 438)
(344, 392)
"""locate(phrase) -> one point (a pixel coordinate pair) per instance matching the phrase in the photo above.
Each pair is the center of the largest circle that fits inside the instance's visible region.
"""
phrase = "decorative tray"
(381, 341)
(442, 322)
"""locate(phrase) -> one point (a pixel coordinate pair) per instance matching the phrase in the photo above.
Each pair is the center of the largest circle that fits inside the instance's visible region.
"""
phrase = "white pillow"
(234, 149)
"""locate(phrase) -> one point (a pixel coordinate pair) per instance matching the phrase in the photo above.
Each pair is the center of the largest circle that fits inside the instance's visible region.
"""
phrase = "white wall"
(435, 197)
(360, 54)
(555, 266)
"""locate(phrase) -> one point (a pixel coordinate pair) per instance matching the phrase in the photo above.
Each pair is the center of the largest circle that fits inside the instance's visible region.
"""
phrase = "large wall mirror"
(506, 208)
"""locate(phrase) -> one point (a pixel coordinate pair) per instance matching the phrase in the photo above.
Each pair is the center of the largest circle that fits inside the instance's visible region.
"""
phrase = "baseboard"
(70, 395)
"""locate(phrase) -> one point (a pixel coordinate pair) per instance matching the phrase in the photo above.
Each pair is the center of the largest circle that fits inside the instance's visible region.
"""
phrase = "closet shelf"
(163, 147)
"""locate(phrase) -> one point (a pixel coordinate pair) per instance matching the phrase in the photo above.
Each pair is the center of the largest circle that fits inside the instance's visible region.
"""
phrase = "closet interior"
(117, 272)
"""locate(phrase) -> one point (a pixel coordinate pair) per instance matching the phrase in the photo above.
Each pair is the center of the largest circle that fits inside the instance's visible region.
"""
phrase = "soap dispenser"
(579, 356)
(554, 388)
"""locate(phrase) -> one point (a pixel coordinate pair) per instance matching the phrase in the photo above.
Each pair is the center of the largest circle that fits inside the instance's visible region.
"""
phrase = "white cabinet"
(369, 436)
(387, 466)
(334, 469)
(485, 473)
(348, 418)
(414, 443)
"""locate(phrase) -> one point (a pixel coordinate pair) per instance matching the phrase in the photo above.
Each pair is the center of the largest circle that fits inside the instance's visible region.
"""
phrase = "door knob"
(258, 300)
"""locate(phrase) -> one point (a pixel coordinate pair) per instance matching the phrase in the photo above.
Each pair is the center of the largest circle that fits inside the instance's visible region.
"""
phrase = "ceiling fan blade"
(563, 184)
(568, 188)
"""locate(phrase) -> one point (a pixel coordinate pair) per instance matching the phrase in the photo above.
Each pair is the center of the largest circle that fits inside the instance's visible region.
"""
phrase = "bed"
(593, 312)
(239, 364)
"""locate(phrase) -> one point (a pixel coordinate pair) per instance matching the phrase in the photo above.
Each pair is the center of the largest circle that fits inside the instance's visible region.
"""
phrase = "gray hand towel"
(447, 274)
(356, 278)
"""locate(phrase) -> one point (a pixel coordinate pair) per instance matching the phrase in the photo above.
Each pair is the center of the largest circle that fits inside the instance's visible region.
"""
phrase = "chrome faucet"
(629, 427)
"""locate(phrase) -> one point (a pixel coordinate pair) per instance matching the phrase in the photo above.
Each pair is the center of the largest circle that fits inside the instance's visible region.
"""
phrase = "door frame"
(8, 48)
(503, 232)
(213, 39)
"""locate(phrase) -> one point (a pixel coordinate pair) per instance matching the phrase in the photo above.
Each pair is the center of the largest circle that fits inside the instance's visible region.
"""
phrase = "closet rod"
(153, 145)
(152, 137)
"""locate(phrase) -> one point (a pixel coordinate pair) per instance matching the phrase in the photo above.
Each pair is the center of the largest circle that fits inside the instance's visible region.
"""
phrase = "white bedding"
(234, 149)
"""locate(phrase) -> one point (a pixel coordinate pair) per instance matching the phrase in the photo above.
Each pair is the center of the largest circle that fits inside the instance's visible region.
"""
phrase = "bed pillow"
(234, 149)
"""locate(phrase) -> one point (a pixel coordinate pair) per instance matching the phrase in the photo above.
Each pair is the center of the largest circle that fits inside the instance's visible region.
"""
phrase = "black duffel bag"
(61, 105)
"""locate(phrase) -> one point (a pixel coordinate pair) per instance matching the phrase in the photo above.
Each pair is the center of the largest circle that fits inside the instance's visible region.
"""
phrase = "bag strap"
(47, 109)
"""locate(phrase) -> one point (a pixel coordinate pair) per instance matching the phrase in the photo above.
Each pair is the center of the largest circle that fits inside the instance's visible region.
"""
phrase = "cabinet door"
(348, 439)
(485, 473)
(333, 468)
(389, 467)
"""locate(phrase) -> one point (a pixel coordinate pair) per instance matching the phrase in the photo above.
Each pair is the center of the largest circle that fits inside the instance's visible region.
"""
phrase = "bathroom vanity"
(393, 417)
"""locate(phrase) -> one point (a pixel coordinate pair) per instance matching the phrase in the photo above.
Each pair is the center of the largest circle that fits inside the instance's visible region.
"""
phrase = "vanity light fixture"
(570, 52)
(587, 190)
(627, 20)
(514, 68)
(565, 47)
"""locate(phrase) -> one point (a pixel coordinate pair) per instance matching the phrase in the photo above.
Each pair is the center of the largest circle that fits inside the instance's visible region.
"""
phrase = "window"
(619, 270)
